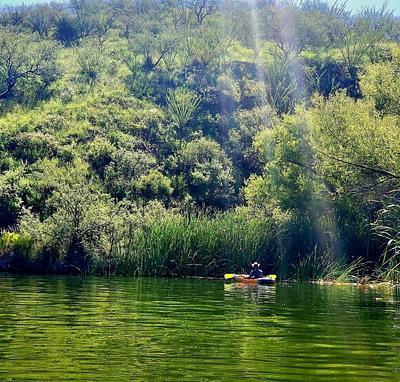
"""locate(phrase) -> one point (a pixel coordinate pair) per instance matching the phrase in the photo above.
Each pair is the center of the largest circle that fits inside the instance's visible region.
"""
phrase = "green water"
(64, 328)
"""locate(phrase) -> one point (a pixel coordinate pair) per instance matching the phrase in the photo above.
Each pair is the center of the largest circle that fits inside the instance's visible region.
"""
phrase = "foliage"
(91, 60)
(208, 173)
(23, 60)
(387, 227)
(190, 137)
(381, 83)
(182, 104)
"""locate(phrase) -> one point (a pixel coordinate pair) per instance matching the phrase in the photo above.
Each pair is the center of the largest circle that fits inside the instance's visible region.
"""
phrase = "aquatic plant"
(325, 267)
(387, 227)
(200, 245)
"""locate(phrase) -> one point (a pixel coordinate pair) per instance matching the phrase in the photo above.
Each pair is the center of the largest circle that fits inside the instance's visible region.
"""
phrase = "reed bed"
(197, 246)
(160, 242)
(326, 267)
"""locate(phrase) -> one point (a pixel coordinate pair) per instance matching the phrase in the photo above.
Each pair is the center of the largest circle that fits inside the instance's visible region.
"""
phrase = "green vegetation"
(147, 137)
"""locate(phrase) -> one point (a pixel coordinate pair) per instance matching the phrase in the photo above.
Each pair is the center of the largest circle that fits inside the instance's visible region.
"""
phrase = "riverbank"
(371, 284)
(156, 241)
(365, 282)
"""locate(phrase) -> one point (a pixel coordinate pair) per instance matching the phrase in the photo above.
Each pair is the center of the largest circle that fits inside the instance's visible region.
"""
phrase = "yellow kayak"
(267, 280)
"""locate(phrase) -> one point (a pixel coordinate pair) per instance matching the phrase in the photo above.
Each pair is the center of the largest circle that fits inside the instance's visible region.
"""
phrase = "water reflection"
(58, 328)
(256, 294)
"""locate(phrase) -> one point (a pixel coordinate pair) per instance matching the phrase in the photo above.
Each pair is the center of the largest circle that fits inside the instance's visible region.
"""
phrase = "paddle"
(232, 275)
(229, 276)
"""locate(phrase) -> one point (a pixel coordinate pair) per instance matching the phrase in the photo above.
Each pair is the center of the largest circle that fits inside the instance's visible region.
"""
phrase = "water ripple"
(65, 328)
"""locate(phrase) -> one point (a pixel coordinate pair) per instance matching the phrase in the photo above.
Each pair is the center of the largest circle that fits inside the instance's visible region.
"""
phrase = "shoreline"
(371, 284)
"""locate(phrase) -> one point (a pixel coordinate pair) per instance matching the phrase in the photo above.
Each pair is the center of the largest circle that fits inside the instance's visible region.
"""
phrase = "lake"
(68, 328)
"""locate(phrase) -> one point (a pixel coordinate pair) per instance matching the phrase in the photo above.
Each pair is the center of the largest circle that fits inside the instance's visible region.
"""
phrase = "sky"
(353, 5)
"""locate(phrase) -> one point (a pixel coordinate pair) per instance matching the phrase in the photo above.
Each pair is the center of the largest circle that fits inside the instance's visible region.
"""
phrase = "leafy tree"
(154, 47)
(356, 148)
(75, 228)
(125, 170)
(13, 15)
(66, 30)
(249, 123)
(208, 173)
(30, 147)
(154, 185)
(288, 157)
(319, 24)
(10, 197)
(179, 13)
(42, 19)
(326, 76)
(85, 12)
(205, 46)
(100, 154)
(381, 83)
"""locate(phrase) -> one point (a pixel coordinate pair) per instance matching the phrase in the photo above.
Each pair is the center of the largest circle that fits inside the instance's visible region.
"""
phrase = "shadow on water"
(58, 328)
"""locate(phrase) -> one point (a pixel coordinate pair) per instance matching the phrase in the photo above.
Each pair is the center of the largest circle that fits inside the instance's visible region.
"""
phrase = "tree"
(180, 14)
(202, 8)
(319, 24)
(85, 12)
(150, 47)
(205, 46)
(241, 138)
(100, 154)
(289, 169)
(42, 19)
(13, 15)
(281, 28)
(10, 196)
(66, 30)
(76, 231)
(326, 76)
(24, 57)
(208, 173)
(125, 169)
(154, 185)
(380, 82)
(356, 148)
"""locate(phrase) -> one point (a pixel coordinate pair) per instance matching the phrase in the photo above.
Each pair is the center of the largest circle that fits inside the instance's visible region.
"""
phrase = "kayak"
(260, 281)
(268, 280)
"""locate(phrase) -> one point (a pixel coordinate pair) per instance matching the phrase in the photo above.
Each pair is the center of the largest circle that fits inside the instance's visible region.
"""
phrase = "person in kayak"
(256, 272)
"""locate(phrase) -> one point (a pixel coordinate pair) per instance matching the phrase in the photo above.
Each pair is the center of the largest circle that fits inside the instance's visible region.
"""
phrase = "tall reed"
(325, 267)
(197, 245)
(387, 227)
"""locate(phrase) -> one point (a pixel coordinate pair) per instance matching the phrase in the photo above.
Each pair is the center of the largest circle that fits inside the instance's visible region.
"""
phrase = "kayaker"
(256, 272)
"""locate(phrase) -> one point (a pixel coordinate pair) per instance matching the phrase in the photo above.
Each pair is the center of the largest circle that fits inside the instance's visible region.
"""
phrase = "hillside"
(189, 138)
